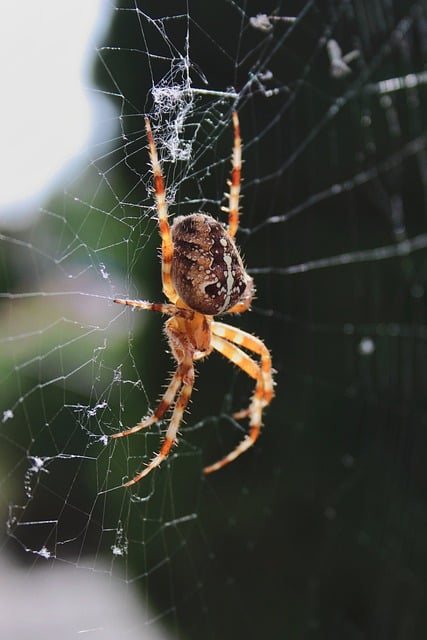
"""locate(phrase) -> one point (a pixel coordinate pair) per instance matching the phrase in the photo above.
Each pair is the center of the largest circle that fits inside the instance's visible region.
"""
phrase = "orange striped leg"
(251, 343)
(164, 404)
(234, 182)
(187, 373)
(167, 309)
(245, 362)
(162, 213)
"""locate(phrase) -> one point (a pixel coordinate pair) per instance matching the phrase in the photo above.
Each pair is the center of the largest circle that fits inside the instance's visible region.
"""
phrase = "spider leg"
(235, 179)
(242, 360)
(187, 375)
(237, 356)
(160, 307)
(162, 212)
(254, 344)
(225, 340)
(164, 404)
(241, 306)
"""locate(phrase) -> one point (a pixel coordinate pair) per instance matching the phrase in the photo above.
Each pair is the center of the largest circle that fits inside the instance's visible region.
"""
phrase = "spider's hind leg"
(234, 182)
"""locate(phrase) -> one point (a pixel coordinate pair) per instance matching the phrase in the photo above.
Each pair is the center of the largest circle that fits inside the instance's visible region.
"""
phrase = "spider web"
(319, 531)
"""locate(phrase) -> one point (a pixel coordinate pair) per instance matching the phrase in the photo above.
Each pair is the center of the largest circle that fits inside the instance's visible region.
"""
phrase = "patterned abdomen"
(207, 271)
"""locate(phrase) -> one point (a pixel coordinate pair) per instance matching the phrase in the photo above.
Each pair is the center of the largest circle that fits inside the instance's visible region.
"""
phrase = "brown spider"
(203, 276)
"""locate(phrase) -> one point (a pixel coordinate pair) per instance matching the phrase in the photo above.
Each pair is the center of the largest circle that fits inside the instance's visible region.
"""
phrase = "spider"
(203, 276)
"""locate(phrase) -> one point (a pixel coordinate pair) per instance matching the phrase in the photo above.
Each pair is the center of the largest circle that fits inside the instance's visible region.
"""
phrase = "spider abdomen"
(207, 270)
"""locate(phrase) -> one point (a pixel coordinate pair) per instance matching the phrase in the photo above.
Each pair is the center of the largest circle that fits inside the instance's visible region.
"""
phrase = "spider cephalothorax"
(203, 275)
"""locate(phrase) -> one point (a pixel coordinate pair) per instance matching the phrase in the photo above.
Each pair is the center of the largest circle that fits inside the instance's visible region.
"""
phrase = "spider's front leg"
(184, 376)
(228, 340)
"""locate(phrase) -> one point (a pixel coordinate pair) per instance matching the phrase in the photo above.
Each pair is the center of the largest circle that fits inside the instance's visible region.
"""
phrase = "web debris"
(339, 64)
(265, 23)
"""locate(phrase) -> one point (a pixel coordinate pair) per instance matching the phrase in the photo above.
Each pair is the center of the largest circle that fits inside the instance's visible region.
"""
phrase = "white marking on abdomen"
(228, 283)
